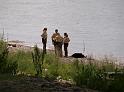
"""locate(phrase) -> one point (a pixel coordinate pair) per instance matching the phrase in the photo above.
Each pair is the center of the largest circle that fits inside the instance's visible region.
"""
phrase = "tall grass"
(91, 73)
(36, 56)
(87, 75)
(54, 67)
(7, 63)
(24, 60)
(95, 77)
(51, 65)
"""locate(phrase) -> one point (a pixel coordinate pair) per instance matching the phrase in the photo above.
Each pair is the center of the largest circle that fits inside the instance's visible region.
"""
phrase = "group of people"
(57, 41)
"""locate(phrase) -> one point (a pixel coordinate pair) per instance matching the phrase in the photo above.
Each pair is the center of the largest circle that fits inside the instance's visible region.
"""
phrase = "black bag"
(78, 55)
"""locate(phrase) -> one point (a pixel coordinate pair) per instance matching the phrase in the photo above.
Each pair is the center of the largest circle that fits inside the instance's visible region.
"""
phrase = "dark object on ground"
(13, 45)
(78, 55)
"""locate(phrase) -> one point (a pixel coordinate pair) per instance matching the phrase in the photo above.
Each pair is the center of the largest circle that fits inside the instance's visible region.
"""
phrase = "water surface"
(96, 23)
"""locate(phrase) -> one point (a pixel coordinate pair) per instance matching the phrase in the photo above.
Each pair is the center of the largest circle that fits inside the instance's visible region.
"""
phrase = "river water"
(94, 26)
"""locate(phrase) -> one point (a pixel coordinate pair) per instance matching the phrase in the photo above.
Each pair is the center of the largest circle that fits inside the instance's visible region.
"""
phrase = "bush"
(38, 58)
(94, 77)
(83, 74)
(7, 65)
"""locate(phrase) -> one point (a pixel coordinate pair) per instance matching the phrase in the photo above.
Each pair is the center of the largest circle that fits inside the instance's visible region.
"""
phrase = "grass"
(91, 73)
(24, 60)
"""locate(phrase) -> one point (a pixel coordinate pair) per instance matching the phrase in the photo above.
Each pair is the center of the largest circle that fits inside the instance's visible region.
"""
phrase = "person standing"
(54, 36)
(44, 39)
(66, 41)
(57, 41)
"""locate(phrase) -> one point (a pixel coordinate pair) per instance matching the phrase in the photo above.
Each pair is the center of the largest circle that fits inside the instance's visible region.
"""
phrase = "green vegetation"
(7, 63)
(84, 73)
(36, 56)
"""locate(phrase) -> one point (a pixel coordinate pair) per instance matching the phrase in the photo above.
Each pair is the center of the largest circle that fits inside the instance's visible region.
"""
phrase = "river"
(94, 26)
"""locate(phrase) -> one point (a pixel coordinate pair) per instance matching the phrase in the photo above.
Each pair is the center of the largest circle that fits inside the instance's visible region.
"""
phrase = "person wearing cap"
(44, 39)
(57, 41)
(66, 41)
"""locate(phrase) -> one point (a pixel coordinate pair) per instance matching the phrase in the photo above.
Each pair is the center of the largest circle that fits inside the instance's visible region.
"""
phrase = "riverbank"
(16, 45)
(89, 73)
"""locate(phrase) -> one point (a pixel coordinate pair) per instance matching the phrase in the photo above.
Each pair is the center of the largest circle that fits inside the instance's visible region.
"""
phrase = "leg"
(59, 49)
(65, 49)
(44, 48)
(44, 45)
(55, 49)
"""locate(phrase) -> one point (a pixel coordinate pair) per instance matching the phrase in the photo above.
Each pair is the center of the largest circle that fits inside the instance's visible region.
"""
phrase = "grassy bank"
(103, 75)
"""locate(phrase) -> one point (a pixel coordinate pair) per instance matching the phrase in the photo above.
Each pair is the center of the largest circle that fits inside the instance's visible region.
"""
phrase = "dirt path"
(33, 84)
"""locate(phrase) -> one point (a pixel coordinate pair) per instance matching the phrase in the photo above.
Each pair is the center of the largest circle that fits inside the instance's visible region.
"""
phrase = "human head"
(56, 31)
(65, 34)
(45, 29)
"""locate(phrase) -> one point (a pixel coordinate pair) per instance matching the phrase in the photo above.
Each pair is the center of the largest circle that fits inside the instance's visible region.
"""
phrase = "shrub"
(87, 74)
(7, 65)
(38, 58)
